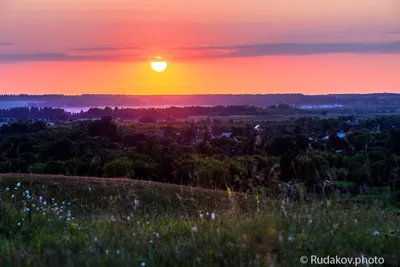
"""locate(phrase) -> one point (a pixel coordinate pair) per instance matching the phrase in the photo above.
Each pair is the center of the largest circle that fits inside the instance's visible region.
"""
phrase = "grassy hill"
(75, 221)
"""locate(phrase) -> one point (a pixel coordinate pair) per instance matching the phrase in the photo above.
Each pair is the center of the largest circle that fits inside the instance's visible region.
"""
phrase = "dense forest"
(379, 101)
(211, 153)
(145, 114)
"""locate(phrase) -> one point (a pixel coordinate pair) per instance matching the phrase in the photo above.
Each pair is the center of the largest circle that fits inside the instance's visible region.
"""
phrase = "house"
(226, 134)
(353, 123)
(340, 135)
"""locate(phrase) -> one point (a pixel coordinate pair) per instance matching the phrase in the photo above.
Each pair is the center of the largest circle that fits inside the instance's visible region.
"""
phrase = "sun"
(159, 64)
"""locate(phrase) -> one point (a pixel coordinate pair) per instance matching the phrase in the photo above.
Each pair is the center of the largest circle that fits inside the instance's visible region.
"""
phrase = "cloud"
(6, 43)
(206, 52)
(291, 49)
(104, 48)
(15, 58)
(392, 32)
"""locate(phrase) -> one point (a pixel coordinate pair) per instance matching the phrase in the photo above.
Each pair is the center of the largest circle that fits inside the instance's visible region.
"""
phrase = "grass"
(119, 222)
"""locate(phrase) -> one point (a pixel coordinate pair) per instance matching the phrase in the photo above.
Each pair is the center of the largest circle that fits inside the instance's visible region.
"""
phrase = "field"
(77, 221)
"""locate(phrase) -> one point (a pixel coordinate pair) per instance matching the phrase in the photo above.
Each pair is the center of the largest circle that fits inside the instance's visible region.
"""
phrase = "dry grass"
(97, 193)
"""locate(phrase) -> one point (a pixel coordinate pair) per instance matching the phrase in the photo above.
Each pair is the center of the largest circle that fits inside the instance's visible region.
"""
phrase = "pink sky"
(99, 46)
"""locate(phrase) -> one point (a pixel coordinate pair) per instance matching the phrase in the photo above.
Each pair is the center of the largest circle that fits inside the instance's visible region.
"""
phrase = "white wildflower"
(290, 238)
(19, 224)
(376, 232)
(355, 221)
(143, 264)
(106, 251)
(212, 216)
(201, 216)
(18, 184)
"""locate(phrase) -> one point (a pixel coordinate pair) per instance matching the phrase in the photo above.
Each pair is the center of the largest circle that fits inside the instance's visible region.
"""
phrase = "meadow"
(50, 220)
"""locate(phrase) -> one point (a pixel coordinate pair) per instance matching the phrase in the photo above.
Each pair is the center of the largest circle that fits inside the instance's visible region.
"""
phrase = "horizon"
(206, 94)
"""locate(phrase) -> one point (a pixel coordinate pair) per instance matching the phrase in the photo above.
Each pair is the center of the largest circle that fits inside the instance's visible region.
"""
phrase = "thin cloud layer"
(104, 48)
(304, 49)
(6, 43)
(209, 52)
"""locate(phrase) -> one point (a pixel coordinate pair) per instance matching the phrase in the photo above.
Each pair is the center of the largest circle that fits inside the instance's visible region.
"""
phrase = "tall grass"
(39, 226)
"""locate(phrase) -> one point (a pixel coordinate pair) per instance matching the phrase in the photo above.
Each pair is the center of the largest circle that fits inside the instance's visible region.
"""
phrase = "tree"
(104, 127)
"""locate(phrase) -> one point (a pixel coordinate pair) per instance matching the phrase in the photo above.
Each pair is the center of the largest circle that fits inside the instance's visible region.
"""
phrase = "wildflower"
(52, 199)
(212, 216)
(143, 264)
(18, 184)
(19, 224)
(28, 196)
(244, 236)
(151, 241)
(106, 251)
(12, 196)
(376, 232)
(355, 221)
(201, 216)
(40, 198)
(44, 203)
(27, 192)
(117, 251)
(112, 218)
(128, 218)
(290, 238)
(147, 222)
(310, 221)
(7, 189)
(95, 239)
(229, 192)
(138, 222)
(217, 230)
(136, 204)
(280, 237)
(69, 204)
(156, 234)
(194, 228)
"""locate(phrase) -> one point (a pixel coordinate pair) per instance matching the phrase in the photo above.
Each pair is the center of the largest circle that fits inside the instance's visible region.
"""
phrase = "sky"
(211, 46)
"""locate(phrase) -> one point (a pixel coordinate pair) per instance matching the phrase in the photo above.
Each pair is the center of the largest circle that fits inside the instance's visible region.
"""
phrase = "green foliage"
(121, 167)
(119, 229)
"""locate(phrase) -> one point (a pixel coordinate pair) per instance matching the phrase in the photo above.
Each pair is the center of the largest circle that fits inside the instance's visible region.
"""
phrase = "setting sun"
(159, 64)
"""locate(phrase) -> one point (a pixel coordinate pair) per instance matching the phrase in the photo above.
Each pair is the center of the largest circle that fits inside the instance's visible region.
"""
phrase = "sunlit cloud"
(121, 53)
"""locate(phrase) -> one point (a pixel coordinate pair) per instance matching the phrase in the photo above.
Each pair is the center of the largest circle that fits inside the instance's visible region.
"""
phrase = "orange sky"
(307, 46)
